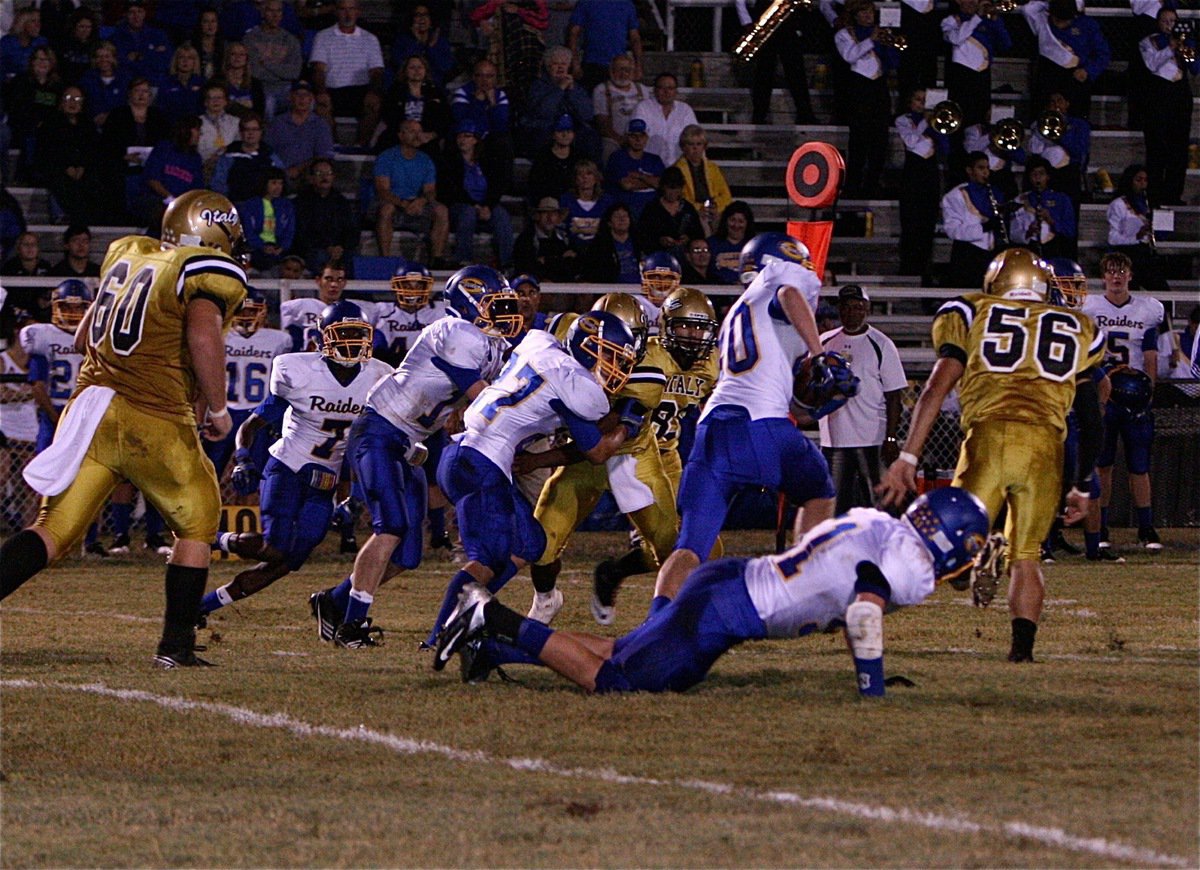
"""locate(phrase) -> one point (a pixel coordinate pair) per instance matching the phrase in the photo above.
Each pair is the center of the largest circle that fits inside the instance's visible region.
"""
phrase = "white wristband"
(1078, 493)
(224, 412)
(905, 456)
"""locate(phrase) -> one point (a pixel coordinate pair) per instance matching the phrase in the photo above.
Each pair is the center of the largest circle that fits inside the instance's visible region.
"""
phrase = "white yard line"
(103, 614)
(1053, 837)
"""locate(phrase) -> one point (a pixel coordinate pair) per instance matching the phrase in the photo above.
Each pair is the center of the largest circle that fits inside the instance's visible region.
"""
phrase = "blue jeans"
(465, 221)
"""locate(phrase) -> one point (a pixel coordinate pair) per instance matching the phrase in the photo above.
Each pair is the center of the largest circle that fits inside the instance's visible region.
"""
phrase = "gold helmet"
(1020, 274)
(207, 219)
(561, 323)
(631, 312)
(688, 309)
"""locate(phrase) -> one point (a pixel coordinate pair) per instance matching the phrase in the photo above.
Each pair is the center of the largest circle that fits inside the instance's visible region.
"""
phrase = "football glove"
(245, 475)
(832, 385)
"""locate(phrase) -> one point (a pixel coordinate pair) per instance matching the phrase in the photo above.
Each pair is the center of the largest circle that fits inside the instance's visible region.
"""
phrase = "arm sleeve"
(958, 223)
(848, 48)
(281, 378)
(213, 277)
(585, 433)
(39, 369)
(1091, 430)
(462, 378)
(951, 330)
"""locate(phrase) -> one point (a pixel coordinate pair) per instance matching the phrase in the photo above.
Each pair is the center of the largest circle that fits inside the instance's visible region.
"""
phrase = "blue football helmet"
(346, 337)
(412, 284)
(954, 525)
(1132, 389)
(660, 275)
(771, 248)
(481, 295)
(604, 345)
(1069, 285)
(69, 303)
(252, 316)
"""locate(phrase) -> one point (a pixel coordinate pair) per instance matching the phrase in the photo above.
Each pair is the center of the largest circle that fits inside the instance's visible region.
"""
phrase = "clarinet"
(1003, 225)
(1153, 241)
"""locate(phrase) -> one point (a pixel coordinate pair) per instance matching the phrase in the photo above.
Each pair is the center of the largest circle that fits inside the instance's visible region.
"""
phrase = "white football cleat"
(546, 606)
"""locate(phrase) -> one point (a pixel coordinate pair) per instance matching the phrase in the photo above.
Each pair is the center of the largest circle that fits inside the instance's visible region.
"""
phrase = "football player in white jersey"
(301, 318)
(398, 323)
(744, 437)
(844, 572)
(660, 277)
(542, 387)
(318, 395)
(450, 363)
(250, 346)
(1132, 324)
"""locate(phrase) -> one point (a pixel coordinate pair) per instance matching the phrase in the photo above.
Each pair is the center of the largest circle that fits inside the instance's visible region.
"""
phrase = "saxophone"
(770, 21)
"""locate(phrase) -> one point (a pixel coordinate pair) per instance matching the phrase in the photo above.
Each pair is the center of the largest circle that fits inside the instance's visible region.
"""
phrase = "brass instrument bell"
(947, 117)
(1007, 136)
(1051, 125)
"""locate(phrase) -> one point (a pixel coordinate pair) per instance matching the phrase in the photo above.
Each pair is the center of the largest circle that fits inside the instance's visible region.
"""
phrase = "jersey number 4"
(122, 303)
(1053, 336)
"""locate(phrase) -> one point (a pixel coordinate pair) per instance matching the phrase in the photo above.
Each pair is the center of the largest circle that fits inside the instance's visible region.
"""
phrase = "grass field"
(293, 753)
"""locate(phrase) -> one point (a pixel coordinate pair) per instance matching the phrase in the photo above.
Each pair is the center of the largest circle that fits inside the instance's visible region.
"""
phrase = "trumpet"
(1005, 5)
(1051, 125)
(1182, 31)
(766, 25)
(887, 36)
(947, 117)
(1007, 136)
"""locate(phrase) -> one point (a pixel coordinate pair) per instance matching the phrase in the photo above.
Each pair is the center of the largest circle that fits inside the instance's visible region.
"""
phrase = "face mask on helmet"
(481, 295)
(1018, 274)
(660, 275)
(69, 303)
(602, 343)
(251, 317)
(346, 338)
(631, 313)
(954, 526)
(689, 325)
(205, 219)
(413, 286)
(1068, 286)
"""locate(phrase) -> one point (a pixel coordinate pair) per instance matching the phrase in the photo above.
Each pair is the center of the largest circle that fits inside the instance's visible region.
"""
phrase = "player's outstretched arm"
(864, 636)
(901, 476)
(206, 344)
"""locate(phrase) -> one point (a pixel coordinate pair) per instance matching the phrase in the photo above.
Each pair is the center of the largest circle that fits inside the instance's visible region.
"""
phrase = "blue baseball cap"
(564, 122)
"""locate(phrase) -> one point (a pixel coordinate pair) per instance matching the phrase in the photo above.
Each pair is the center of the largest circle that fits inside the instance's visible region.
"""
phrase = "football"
(802, 384)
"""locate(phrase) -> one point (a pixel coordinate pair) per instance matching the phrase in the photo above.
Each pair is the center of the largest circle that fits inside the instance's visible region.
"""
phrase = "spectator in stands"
(585, 203)
(665, 118)
(178, 18)
(976, 35)
(785, 45)
(75, 48)
(471, 185)
(422, 37)
(542, 249)
(614, 254)
(608, 28)
(131, 133)
(406, 188)
(529, 300)
(972, 224)
(209, 43)
(697, 264)
(513, 34)
(181, 93)
(613, 102)
(1072, 52)
(218, 128)
(415, 95)
(77, 246)
(1189, 346)
(291, 268)
(275, 57)
(326, 224)
(704, 184)
(1130, 230)
(346, 61)
(245, 92)
(105, 84)
(553, 95)
(142, 50)
(173, 168)
(978, 137)
(26, 262)
(734, 229)
(485, 104)
(240, 171)
(669, 222)
(12, 222)
(553, 167)
(269, 221)
(239, 17)
(1045, 218)
(869, 103)
(32, 99)
(862, 433)
(1168, 96)
(17, 46)
(299, 136)
(1068, 156)
(632, 173)
(69, 157)
(920, 187)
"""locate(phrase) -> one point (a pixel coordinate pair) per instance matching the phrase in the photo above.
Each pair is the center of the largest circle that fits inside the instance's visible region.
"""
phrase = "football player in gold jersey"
(688, 333)
(154, 366)
(634, 475)
(1015, 358)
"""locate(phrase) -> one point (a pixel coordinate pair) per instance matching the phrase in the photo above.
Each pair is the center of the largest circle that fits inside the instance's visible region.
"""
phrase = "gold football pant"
(1018, 464)
(160, 457)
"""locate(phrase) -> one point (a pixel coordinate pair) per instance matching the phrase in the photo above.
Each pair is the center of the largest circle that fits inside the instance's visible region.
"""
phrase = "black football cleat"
(1148, 538)
(464, 623)
(326, 613)
(604, 592)
(1107, 556)
(475, 665)
(348, 545)
(120, 545)
(182, 655)
(357, 634)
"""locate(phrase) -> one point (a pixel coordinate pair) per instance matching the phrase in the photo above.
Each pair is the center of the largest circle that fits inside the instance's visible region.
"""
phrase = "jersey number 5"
(124, 304)
(1007, 338)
